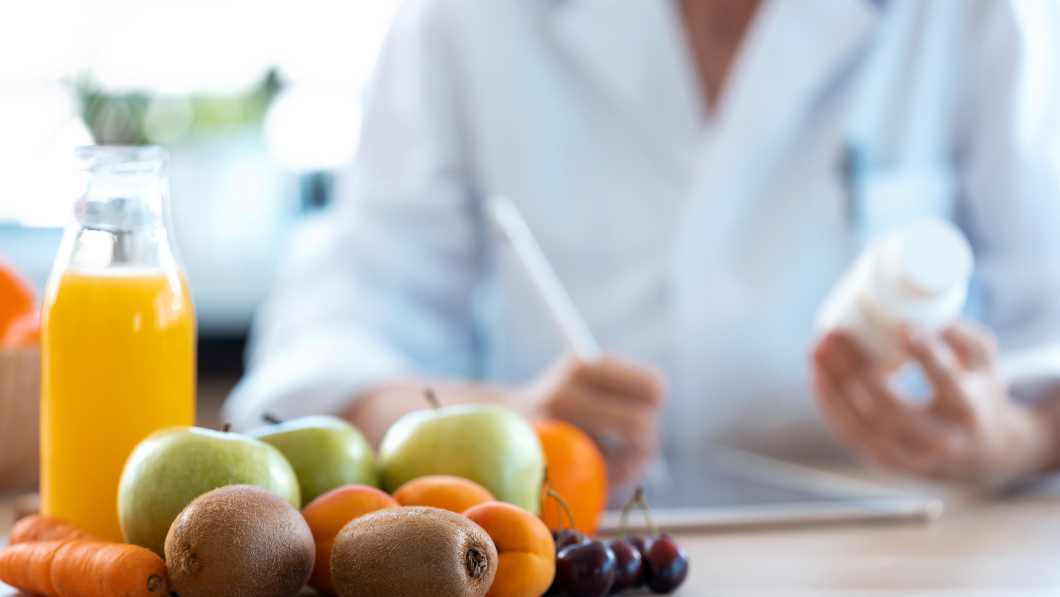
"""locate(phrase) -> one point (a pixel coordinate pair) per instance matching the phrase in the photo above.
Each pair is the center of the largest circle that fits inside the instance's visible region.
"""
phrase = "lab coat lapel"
(796, 53)
(633, 53)
(793, 52)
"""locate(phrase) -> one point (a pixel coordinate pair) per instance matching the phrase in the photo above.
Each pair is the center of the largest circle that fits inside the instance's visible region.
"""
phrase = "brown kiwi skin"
(413, 552)
(239, 541)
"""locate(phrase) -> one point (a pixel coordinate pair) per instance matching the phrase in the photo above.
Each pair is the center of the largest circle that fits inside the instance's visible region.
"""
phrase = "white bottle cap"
(931, 256)
(923, 272)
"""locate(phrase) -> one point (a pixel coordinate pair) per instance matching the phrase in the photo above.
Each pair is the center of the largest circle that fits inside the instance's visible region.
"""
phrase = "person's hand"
(970, 430)
(615, 401)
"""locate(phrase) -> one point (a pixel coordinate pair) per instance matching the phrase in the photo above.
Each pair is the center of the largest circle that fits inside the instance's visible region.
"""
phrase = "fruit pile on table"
(207, 513)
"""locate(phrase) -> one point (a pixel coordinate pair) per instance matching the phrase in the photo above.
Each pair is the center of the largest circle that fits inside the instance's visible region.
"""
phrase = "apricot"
(455, 494)
(327, 514)
(526, 553)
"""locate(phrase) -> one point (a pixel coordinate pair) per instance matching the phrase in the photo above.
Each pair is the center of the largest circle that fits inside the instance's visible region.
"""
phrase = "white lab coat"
(701, 242)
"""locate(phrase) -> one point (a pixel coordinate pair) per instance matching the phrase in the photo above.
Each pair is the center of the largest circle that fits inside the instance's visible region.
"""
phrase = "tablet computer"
(730, 489)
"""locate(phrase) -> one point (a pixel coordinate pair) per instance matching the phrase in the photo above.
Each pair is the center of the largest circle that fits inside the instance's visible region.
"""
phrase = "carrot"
(83, 569)
(28, 569)
(49, 528)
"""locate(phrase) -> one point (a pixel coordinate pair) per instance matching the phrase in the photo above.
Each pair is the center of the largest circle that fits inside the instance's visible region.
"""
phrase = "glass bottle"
(117, 335)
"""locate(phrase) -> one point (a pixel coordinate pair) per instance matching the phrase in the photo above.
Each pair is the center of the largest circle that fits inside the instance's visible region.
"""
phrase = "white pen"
(510, 223)
(571, 325)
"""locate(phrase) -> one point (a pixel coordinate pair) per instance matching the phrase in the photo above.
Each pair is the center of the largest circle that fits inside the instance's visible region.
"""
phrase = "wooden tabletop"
(980, 546)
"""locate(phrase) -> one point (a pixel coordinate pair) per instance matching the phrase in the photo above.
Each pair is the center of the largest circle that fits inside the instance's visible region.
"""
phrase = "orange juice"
(117, 363)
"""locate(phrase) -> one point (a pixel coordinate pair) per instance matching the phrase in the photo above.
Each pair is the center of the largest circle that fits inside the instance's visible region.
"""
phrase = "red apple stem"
(271, 419)
(562, 502)
(643, 501)
(432, 399)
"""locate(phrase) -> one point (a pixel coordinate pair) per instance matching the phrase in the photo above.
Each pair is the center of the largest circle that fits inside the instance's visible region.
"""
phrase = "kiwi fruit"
(239, 541)
(413, 552)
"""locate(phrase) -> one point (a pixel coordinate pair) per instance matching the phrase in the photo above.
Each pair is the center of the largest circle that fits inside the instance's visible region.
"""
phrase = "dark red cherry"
(564, 538)
(665, 564)
(627, 564)
(638, 542)
(586, 570)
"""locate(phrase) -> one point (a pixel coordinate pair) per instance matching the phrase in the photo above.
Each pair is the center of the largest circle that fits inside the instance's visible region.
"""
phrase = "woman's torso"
(702, 246)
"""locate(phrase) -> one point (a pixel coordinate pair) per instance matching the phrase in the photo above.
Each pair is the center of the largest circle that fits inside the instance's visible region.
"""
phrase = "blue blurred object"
(316, 189)
(32, 250)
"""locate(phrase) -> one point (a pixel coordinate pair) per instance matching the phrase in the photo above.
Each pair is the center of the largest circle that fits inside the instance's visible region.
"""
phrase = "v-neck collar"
(635, 54)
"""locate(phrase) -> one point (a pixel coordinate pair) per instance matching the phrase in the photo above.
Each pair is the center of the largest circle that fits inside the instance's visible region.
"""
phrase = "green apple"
(326, 452)
(175, 465)
(491, 445)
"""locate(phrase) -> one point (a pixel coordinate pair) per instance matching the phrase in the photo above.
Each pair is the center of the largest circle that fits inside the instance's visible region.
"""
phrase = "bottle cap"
(929, 257)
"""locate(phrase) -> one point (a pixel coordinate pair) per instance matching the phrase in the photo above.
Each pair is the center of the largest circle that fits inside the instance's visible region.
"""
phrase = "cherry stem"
(271, 419)
(623, 520)
(432, 399)
(226, 427)
(562, 502)
(639, 496)
(546, 484)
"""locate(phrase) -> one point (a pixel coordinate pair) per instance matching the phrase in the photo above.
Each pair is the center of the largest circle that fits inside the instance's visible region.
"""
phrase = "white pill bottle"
(916, 275)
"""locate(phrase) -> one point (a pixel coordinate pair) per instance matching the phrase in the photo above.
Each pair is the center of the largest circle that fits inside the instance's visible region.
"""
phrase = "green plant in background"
(139, 118)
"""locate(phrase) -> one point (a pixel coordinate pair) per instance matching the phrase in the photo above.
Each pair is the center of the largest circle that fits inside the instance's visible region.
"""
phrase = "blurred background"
(257, 102)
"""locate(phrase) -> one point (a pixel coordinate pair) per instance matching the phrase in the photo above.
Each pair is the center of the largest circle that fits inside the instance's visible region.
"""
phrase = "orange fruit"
(576, 469)
(455, 494)
(22, 333)
(16, 296)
